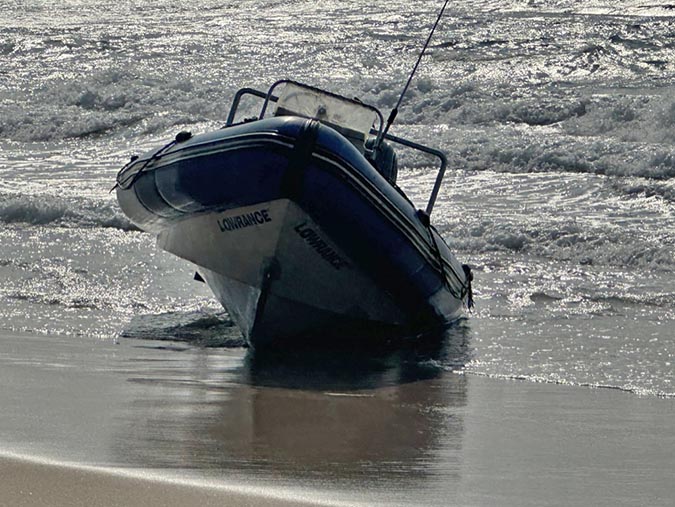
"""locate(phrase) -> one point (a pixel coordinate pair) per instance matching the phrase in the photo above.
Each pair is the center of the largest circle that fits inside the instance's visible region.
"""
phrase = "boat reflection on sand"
(335, 418)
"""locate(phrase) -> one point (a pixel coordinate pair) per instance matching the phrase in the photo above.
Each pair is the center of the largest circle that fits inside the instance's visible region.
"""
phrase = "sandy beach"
(34, 483)
(98, 422)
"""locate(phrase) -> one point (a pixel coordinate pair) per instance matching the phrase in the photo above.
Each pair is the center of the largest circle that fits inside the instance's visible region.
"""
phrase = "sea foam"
(62, 211)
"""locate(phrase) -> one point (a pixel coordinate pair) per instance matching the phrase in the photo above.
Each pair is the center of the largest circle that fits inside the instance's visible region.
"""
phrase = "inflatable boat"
(294, 220)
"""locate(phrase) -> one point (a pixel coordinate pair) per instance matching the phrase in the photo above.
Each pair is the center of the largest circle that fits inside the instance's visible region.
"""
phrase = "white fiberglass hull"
(277, 273)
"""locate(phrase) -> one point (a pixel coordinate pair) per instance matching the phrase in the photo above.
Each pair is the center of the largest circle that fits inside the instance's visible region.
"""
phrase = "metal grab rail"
(237, 99)
(376, 132)
(430, 151)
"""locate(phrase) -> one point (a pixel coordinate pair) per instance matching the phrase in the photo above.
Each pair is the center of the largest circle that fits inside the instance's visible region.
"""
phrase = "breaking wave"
(613, 134)
(61, 211)
(566, 243)
(107, 102)
(578, 247)
(617, 132)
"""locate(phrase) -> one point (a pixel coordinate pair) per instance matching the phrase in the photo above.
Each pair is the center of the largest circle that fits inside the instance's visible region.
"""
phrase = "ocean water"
(558, 119)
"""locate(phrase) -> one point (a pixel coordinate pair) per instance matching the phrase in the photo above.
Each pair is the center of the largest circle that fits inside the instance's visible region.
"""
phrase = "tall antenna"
(394, 112)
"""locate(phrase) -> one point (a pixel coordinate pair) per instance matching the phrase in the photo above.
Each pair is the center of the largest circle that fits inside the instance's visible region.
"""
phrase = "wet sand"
(91, 422)
(33, 483)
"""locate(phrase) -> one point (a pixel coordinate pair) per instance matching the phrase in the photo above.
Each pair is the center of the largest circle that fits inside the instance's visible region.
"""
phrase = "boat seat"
(383, 160)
